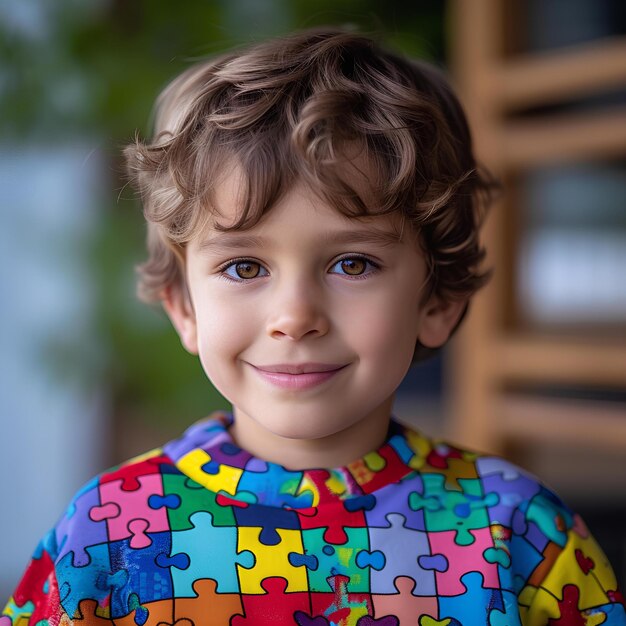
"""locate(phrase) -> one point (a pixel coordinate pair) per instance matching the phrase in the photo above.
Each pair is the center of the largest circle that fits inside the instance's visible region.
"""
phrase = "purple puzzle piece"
(510, 483)
(402, 547)
(395, 497)
(91, 532)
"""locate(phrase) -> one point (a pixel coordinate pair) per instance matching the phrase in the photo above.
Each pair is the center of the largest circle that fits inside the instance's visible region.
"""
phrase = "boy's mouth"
(299, 368)
(298, 375)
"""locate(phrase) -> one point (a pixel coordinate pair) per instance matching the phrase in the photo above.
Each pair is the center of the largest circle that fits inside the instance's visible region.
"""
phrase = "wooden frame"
(492, 355)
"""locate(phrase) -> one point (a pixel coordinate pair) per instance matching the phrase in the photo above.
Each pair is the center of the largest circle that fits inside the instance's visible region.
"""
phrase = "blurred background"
(91, 377)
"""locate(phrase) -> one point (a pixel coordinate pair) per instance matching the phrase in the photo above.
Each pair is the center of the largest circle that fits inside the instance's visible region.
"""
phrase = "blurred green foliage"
(73, 70)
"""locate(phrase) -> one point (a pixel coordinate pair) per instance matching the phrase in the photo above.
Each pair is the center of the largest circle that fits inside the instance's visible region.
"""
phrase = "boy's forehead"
(362, 233)
(333, 226)
(229, 196)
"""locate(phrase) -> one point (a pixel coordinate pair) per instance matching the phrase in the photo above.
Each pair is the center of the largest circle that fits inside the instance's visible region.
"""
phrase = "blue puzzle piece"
(214, 555)
(211, 467)
(375, 560)
(93, 581)
(170, 501)
(508, 614)
(179, 561)
(276, 486)
(360, 503)
(148, 573)
(268, 519)
(463, 607)
(308, 560)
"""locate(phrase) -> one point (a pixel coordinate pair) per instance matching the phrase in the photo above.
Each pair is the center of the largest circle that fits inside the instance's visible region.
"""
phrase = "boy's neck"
(337, 450)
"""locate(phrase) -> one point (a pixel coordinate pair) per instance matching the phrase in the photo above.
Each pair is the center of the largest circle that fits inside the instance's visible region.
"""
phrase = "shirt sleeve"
(36, 598)
(574, 584)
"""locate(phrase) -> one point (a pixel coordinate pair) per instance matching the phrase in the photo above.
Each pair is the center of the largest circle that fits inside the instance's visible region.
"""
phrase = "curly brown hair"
(297, 108)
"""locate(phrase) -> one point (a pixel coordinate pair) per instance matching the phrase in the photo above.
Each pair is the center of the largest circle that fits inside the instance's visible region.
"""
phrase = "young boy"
(313, 208)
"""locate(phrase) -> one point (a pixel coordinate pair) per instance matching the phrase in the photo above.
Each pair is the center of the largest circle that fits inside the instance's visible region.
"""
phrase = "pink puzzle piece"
(139, 539)
(463, 559)
(133, 505)
(104, 512)
(404, 605)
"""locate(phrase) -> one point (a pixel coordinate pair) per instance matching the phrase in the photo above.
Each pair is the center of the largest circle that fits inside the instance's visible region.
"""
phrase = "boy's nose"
(297, 314)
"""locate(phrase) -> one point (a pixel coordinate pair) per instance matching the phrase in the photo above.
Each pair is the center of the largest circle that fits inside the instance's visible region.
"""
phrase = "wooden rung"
(550, 77)
(573, 137)
(601, 424)
(539, 360)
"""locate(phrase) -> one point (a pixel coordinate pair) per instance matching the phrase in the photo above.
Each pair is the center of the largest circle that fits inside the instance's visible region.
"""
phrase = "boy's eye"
(352, 266)
(244, 270)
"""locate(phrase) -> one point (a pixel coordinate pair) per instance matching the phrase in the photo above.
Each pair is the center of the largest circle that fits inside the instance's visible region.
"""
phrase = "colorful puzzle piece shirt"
(421, 533)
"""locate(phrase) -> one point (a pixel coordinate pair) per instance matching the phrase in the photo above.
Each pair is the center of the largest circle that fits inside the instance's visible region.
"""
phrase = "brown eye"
(353, 267)
(247, 269)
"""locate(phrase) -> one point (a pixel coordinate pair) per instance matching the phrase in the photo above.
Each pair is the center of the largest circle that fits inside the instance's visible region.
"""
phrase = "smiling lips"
(300, 376)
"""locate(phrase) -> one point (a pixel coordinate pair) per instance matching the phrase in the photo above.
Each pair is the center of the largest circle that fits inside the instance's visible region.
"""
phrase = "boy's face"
(306, 322)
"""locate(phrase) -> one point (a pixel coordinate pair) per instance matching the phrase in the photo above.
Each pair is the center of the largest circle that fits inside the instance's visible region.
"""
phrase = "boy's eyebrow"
(233, 242)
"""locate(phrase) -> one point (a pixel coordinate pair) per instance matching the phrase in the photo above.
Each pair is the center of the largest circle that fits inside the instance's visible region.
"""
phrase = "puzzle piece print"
(139, 539)
(128, 475)
(271, 561)
(269, 519)
(194, 498)
(368, 473)
(98, 581)
(440, 456)
(550, 517)
(213, 554)
(208, 606)
(337, 559)
(474, 594)
(450, 463)
(89, 612)
(152, 571)
(37, 594)
(334, 518)
(320, 488)
(157, 613)
(419, 445)
(403, 548)
(395, 497)
(445, 509)
(387, 620)
(144, 580)
(273, 604)
(501, 551)
(509, 614)
(406, 603)
(341, 602)
(426, 620)
(227, 453)
(588, 568)
(463, 559)
(221, 478)
(276, 486)
(512, 487)
(92, 531)
(495, 466)
(302, 619)
(132, 505)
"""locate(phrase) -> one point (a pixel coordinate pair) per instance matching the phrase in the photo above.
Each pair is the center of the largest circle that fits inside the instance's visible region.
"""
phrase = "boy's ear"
(179, 309)
(439, 320)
